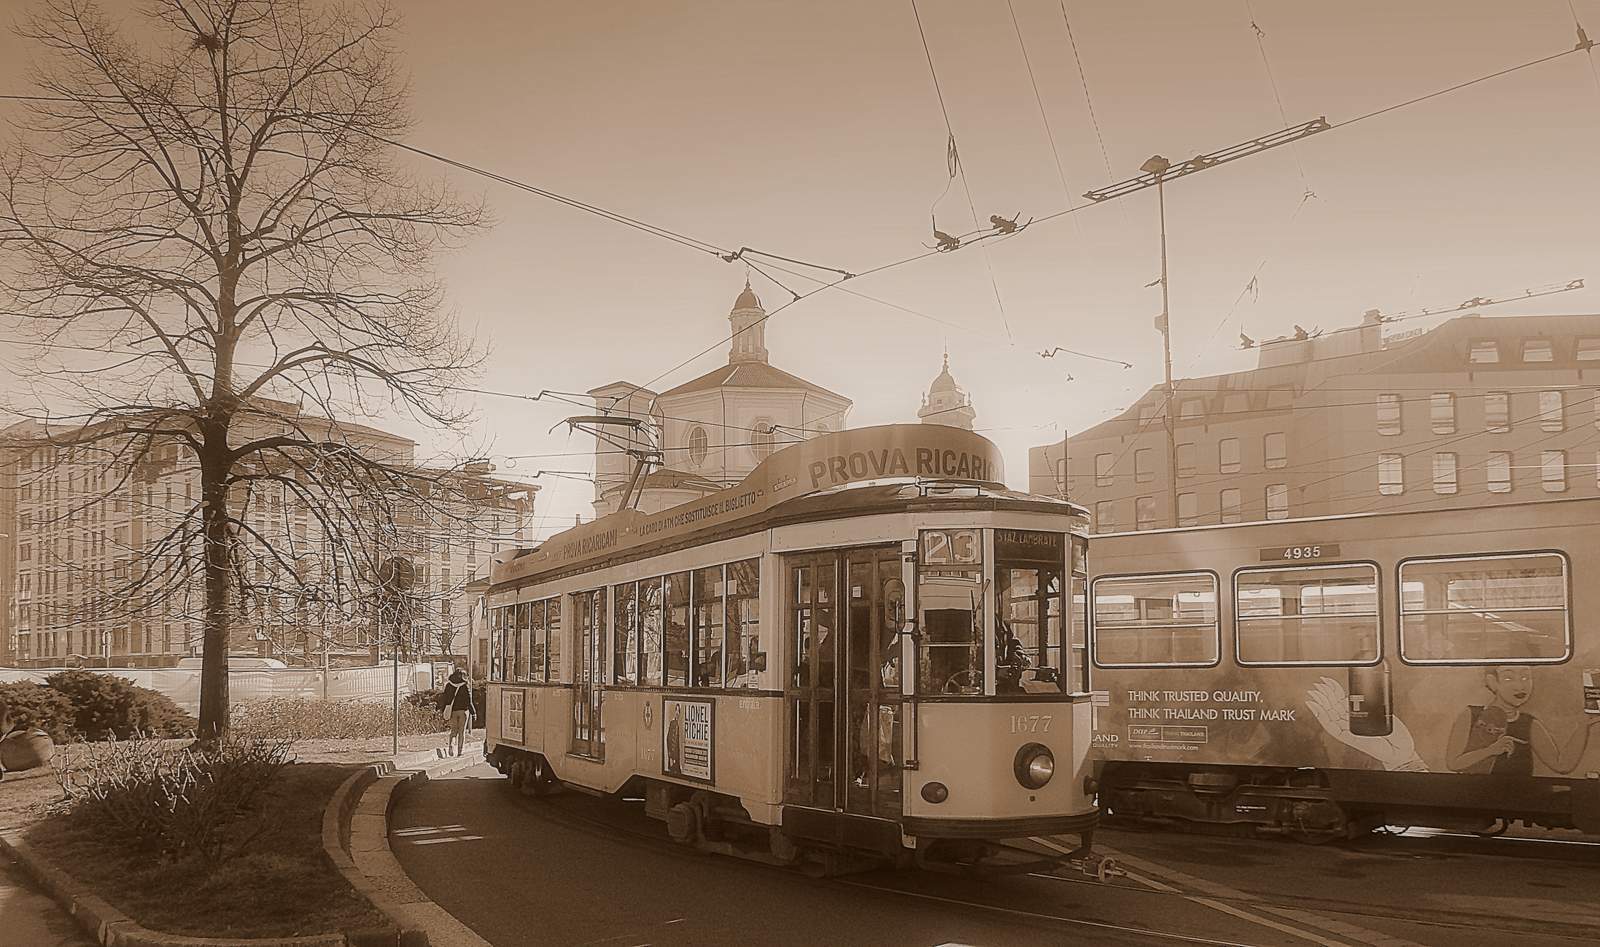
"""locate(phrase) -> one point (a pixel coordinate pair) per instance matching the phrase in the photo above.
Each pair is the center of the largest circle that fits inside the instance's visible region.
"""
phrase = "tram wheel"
(683, 823)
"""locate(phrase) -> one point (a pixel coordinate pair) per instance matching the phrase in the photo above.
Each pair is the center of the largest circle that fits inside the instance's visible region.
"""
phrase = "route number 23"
(1030, 723)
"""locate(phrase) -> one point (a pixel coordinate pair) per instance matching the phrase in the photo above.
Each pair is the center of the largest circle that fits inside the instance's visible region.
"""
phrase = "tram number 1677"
(1030, 723)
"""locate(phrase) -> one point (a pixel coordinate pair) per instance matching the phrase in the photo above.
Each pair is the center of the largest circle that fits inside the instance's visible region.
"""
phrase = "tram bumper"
(999, 829)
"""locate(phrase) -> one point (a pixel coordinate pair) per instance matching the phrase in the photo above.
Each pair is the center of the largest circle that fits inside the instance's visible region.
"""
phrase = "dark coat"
(457, 695)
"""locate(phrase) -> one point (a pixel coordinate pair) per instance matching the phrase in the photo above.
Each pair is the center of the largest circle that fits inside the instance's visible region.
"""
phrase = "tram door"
(843, 687)
(588, 633)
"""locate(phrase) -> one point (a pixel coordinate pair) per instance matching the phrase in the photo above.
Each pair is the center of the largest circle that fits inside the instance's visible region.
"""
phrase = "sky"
(814, 131)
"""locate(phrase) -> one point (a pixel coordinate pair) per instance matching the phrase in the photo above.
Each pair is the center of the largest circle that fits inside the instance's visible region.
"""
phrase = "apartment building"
(75, 528)
(1475, 410)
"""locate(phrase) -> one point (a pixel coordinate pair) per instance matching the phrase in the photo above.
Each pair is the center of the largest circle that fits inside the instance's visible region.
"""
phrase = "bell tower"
(749, 328)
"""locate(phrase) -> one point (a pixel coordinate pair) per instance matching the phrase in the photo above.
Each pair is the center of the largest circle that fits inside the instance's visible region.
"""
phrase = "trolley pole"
(1157, 166)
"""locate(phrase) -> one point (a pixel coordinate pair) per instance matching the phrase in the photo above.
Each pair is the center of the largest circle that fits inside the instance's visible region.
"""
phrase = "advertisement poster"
(687, 738)
(511, 705)
(1522, 720)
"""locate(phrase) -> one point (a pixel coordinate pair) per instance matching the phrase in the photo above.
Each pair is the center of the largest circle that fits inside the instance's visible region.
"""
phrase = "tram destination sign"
(1029, 545)
(1299, 552)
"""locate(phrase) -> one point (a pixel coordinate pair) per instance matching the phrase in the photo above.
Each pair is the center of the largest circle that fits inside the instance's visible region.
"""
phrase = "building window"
(1147, 414)
(1484, 352)
(1186, 460)
(1102, 470)
(1391, 474)
(1277, 501)
(1552, 412)
(1188, 510)
(1144, 513)
(699, 445)
(1105, 516)
(1143, 461)
(1275, 450)
(1163, 620)
(1389, 414)
(1230, 504)
(1486, 610)
(1444, 473)
(1228, 455)
(1497, 412)
(1589, 349)
(762, 438)
(1442, 411)
(1499, 472)
(1537, 350)
(1553, 470)
(1192, 409)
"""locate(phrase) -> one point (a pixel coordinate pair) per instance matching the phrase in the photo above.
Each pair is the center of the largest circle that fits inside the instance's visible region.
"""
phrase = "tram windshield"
(1029, 639)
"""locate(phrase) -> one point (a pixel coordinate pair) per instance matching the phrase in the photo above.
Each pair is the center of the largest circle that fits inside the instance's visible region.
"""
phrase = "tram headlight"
(935, 792)
(1034, 766)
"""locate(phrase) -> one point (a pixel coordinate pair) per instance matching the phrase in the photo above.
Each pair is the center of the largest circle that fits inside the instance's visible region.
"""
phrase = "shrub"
(174, 800)
(35, 705)
(430, 698)
(104, 706)
(301, 719)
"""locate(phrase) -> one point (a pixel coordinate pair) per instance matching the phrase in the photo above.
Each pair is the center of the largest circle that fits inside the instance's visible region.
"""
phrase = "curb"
(111, 927)
(355, 837)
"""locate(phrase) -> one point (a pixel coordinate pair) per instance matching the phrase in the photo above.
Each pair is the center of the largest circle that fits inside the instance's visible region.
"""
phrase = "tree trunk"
(218, 603)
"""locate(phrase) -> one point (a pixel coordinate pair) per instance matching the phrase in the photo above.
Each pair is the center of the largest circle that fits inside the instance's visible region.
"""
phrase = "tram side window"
(746, 659)
(1307, 615)
(552, 639)
(1485, 609)
(708, 625)
(536, 641)
(650, 631)
(497, 644)
(519, 642)
(1161, 620)
(678, 629)
(625, 634)
(1077, 661)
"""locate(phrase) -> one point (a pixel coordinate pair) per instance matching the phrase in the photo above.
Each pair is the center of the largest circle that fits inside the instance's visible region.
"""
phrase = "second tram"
(1319, 677)
(867, 647)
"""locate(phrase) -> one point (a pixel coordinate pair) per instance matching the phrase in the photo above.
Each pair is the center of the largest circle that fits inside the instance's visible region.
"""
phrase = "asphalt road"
(576, 870)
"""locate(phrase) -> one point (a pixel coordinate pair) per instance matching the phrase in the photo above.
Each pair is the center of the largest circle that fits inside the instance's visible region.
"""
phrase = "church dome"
(747, 299)
(945, 382)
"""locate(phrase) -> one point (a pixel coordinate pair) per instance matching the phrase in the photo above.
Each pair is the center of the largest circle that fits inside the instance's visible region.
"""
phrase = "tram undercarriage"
(818, 843)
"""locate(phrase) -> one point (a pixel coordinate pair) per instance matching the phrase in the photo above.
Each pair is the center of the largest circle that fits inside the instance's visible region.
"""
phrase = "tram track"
(1413, 915)
(1291, 920)
(551, 810)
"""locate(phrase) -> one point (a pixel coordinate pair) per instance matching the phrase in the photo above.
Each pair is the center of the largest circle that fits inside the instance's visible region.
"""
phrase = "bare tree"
(210, 239)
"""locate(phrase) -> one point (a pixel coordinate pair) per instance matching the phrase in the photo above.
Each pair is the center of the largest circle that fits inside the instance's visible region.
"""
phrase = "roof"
(749, 375)
(670, 478)
(945, 381)
(747, 299)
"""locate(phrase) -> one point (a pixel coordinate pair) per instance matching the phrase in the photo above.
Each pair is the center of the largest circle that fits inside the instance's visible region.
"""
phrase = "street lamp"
(1157, 166)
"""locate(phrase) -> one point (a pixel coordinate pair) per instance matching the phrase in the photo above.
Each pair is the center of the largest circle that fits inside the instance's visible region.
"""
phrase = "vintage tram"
(868, 647)
(1322, 676)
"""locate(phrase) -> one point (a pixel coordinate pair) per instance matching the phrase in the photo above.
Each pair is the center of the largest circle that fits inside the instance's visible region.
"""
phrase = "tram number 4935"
(1030, 723)
(1299, 552)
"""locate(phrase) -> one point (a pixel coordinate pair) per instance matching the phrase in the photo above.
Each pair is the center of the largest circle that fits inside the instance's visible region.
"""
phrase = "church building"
(714, 429)
(947, 402)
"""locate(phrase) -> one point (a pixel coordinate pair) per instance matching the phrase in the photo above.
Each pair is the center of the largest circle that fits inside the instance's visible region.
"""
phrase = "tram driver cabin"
(737, 660)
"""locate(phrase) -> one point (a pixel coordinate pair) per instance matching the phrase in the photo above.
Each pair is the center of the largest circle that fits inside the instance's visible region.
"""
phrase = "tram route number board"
(1299, 552)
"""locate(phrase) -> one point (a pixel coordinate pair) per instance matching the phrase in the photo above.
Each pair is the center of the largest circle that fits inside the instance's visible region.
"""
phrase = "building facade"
(1476, 410)
(712, 430)
(75, 530)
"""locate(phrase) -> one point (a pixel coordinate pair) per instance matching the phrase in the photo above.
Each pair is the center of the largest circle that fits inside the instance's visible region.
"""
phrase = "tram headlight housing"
(935, 792)
(1035, 765)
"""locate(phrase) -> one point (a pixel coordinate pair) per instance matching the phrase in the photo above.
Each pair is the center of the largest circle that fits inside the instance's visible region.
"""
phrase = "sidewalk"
(28, 917)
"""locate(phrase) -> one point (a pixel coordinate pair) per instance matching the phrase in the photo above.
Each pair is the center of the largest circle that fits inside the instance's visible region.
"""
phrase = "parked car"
(237, 662)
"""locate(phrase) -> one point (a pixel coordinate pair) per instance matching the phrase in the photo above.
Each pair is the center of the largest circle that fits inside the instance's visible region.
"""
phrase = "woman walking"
(456, 700)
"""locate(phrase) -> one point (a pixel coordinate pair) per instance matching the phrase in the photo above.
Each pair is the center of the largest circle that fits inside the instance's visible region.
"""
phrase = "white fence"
(183, 684)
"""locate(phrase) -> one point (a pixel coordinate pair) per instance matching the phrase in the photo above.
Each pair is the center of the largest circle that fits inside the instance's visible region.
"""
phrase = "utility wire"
(1083, 80)
(1272, 81)
(1039, 99)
